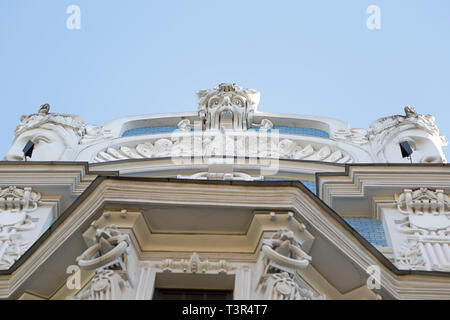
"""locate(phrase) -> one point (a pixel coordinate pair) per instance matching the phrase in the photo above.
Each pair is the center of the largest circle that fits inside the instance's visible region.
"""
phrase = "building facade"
(225, 202)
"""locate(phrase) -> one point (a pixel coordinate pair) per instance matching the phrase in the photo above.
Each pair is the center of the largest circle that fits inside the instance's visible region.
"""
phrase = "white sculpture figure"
(228, 106)
(283, 258)
(15, 204)
(55, 136)
(284, 252)
(109, 257)
(419, 130)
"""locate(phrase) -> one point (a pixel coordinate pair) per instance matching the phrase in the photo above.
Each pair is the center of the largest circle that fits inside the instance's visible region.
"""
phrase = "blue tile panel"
(281, 129)
(303, 131)
(148, 130)
(371, 229)
(311, 185)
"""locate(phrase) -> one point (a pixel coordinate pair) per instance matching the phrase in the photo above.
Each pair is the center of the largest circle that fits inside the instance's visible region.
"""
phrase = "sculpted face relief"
(418, 130)
(55, 136)
(228, 106)
(426, 148)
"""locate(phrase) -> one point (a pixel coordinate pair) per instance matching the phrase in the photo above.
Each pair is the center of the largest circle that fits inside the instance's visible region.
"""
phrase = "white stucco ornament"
(55, 136)
(229, 106)
(15, 206)
(284, 252)
(108, 256)
(418, 130)
(426, 224)
(226, 121)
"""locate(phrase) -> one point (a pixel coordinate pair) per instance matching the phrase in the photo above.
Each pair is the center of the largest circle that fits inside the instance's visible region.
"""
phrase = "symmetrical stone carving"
(233, 176)
(422, 201)
(15, 205)
(194, 265)
(427, 224)
(109, 257)
(17, 199)
(223, 145)
(228, 106)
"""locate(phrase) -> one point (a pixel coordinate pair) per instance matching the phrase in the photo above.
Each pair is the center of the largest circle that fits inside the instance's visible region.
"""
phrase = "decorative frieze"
(233, 176)
(194, 265)
(220, 145)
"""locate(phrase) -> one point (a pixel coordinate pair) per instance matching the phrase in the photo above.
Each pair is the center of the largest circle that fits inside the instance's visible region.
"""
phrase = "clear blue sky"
(306, 57)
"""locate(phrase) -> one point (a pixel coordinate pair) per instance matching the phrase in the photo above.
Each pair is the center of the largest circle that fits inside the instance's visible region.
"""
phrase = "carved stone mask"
(228, 106)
